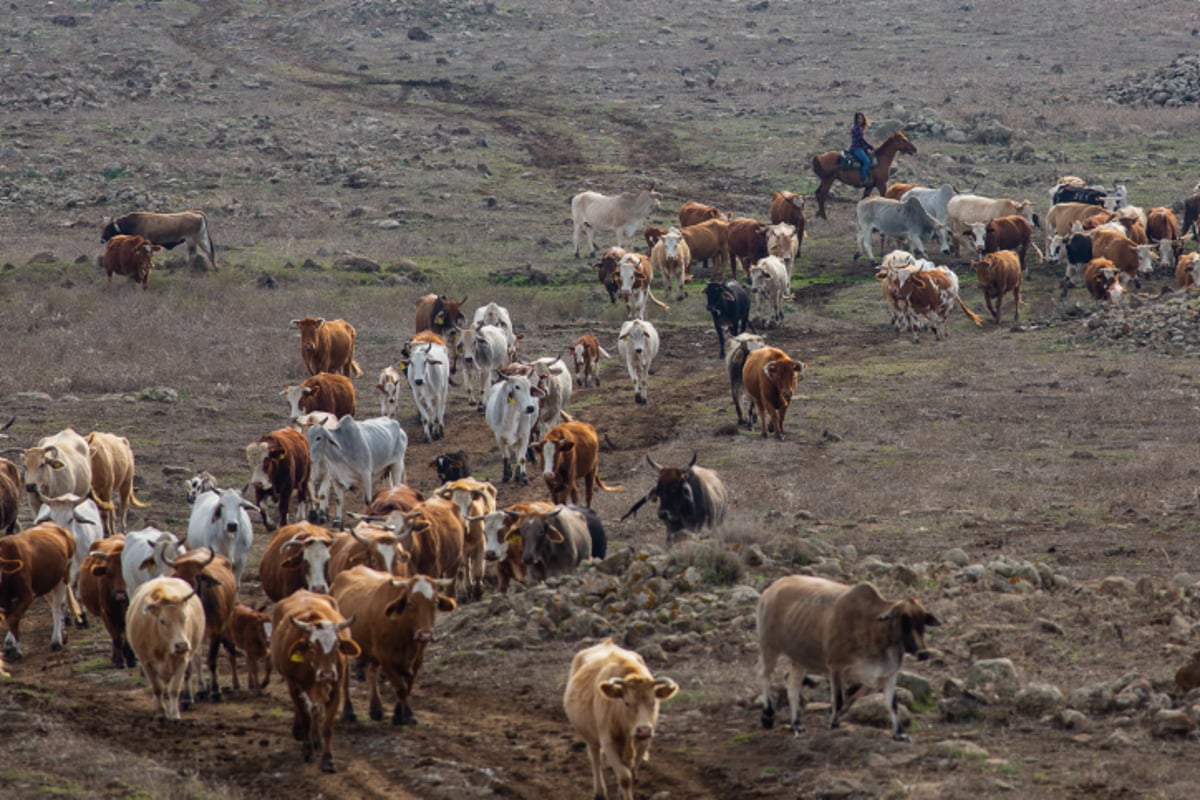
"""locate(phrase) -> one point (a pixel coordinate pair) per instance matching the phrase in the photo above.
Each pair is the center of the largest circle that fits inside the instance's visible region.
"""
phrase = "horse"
(825, 166)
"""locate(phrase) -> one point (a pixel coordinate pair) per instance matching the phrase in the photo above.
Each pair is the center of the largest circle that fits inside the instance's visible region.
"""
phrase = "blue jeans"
(865, 160)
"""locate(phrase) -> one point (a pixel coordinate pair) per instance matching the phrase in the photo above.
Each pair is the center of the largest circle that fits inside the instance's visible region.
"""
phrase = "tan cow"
(787, 207)
(770, 378)
(279, 467)
(327, 345)
(848, 633)
(57, 465)
(475, 500)
(671, 256)
(1000, 273)
(392, 621)
(693, 213)
(165, 625)
(112, 478)
(612, 702)
(1186, 269)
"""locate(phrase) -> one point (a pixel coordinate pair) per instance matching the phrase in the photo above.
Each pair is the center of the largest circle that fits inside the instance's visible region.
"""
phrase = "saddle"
(847, 160)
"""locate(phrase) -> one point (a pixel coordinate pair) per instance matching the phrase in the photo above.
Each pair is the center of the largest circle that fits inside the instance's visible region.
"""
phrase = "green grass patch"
(745, 738)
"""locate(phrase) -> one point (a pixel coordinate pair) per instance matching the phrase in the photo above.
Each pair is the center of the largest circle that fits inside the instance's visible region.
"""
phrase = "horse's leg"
(822, 193)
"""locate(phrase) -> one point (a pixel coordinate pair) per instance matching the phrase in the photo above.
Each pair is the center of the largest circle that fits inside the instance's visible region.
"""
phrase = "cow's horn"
(653, 463)
(692, 463)
(307, 627)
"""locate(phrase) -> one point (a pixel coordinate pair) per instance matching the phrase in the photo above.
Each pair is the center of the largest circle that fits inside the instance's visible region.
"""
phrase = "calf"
(586, 353)
(296, 558)
(769, 280)
(475, 500)
(199, 483)
(739, 347)
(250, 632)
(612, 702)
(637, 345)
(848, 633)
(34, 563)
(452, 466)
(132, 256)
(322, 392)
(770, 377)
(729, 305)
(211, 575)
(1103, 281)
(310, 647)
(570, 452)
(389, 392)
(279, 466)
(165, 625)
(327, 346)
(671, 256)
(788, 207)
(392, 620)
(689, 498)
(102, 592)
(556, 542)
(1000, 273)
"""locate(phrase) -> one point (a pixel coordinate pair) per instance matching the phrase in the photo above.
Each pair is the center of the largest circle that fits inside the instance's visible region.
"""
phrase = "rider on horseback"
(860, 148)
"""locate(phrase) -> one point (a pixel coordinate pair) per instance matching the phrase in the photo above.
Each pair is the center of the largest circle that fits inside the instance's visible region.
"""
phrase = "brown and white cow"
(279, 466)
(112, 478)
(671, 257)
(612, 702)
(327, 345)
(211, 575)
(310, 649)
(1104, 281)
(1187, 270)
(504, 547)
(377, 546)
(608, 271)
(57, 465)
(165, 626)
(637, 273)
(34, 563)
(569, 453)
(324, 391)
(400, 497)
(475, 500)
(296, 558)
(848, 633)
(1130, 258)
(770, 376)
(393, 620)
(10, 495)
(1162, 229)
(586, 353)
(132, 256)
(250, 632)
(788, 207)
(103, 593)
(920, 293)
(1000, 273)
(434, 536)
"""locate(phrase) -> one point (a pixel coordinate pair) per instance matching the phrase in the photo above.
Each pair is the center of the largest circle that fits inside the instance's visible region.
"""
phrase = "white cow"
(895, 218)
(200, 482)
(493, 314)
(146, 554)
(429, 378)
(484, 350)
(554, 379)
(389, 392)
(638, 346)
(80, 516)
(512, 411)
(354, 455)
(219, 522)
(624, 214)
(783, 243)
(769, 280)
(671, 256)
(305, 421)
(935, 201)
(963, 210)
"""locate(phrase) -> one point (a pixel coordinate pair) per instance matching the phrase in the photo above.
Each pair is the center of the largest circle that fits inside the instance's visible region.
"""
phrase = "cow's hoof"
(56, 646)
(901, 737)
(348, 715)
(768, 718)
(797, 728)
(327, 764)
(376, 714)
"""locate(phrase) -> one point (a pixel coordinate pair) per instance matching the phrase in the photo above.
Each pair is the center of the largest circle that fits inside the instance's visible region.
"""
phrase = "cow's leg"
(767, 658)
(891, 701)
(214, 648)
(599, 790)
(12, 641)
(1017, 303)
(348, 714)
(507, 471)
(327, 717)
(375, 707)
(795, 681)
(720, 336)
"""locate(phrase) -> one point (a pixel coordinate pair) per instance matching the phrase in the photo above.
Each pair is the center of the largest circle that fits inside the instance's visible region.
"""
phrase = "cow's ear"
(99, 570)
(931, 621)
(298, 651)
(349, 647)
(613, 688)
(147, 565)
(565, 445)
(554, 535)
(446, 604)
(151, 608)
(728, 295)
(292, 561)
(56, 464)
(440, 319)
(889, 614)
(665, 688)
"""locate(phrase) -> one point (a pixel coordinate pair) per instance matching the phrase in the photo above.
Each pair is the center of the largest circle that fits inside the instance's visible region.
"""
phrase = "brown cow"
(747, 243)
(586, 353)
(322, 392)
(310, 647)
(693, 213)
(211, 575)
(327, 345)
(708, 241)
(770, 378)
(10, 494)
(848, 633)
(132, 256)
(400, 497)
(1103, 281)
(652, 234)
(433, 535)
(296, 558)
(475, 500)
(897, 190)
(279, 465)
(250, 632)
(789, 207)
(612, 702)
(1010, 233)
(112, 477)
(1162, 228)
(998, 274)
(608, 270)
(1131, 258)
(441, 316)
(393, 622)
(1186, 269)
(375, 546)
(102, 591)
(569, 453)
(34, 563)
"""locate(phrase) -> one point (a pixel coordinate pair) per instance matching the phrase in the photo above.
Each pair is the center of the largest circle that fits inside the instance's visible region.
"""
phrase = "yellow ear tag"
(296, 657)
(512, 402)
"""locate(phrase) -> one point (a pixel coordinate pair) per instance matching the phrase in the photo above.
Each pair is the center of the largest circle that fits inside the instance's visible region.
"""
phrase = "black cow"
(689, 498)
(1078, 247)
(729, 304)
(452, 466)
(1092, 195)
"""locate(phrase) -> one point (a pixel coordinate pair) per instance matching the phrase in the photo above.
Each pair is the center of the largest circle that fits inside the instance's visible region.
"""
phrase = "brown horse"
(825, 166)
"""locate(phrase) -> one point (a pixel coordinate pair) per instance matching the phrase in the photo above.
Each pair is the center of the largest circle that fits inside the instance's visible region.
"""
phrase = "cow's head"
(308, 327)
(908, 620)
(308, 551)
(784, 373)
(500, 529)
(321, 649)
(169, 608)
(416, 604)
(452, 466)
(674, 493)
(640, 695)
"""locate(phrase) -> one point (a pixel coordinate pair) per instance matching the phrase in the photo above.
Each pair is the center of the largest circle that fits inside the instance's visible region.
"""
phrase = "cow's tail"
(620, 487)
(603, 354)
(355, 368)
(101, 504)
(1038, 250)
(971, 314)
(133, 501)
(656, 301)
(565, 416)
(209, 249)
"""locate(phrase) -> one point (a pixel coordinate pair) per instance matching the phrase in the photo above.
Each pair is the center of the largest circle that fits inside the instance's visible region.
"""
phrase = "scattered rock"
(1039, 699)
(993, 680)
(1171, 723)
(1095, 698)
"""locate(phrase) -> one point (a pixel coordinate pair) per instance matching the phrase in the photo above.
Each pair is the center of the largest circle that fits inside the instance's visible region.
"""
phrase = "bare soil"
(443, 141)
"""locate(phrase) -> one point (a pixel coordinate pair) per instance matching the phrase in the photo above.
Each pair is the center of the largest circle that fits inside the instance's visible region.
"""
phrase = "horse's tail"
(820, 173)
